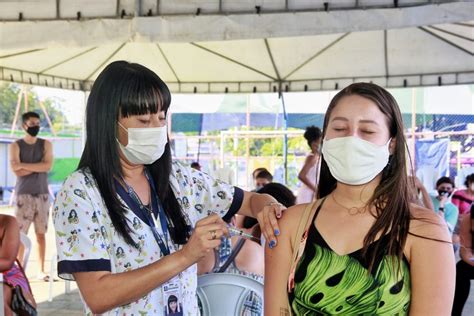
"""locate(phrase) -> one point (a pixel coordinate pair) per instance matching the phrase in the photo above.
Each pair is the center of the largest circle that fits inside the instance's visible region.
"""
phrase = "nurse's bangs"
(143, 93)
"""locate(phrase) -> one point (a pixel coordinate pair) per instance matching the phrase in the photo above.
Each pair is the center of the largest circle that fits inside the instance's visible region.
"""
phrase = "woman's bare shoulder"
(291, 219)
(7, 220)
(292, 215)
(427, 224)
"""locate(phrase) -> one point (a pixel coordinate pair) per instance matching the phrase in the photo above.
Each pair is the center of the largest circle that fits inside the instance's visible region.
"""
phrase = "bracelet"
(274, 203)
(441, 209)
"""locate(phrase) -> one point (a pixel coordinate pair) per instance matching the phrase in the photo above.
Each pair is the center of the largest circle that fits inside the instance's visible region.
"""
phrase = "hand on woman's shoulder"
(291, 219)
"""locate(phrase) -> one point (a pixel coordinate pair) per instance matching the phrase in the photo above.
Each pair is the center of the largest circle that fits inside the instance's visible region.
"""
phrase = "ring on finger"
(213, 234)
(274, 203)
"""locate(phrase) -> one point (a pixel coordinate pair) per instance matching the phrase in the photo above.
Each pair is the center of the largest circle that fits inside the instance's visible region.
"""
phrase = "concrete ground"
(70, 304)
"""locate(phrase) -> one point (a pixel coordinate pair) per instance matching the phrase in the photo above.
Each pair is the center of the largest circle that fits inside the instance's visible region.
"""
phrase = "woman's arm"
(14, 156)
(432, 265)
(303, 175)
(104, 290)
(10, 241)
(43, 166)
(425, 196)
(278, 263)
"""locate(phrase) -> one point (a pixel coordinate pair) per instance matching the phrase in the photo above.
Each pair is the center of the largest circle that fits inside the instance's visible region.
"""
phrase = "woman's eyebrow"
(340, 118)
(369, 122)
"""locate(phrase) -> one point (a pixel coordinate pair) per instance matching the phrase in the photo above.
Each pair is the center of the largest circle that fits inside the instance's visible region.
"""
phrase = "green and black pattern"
(329, 284)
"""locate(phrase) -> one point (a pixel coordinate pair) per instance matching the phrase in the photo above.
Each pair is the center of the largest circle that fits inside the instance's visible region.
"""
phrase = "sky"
(72, 102)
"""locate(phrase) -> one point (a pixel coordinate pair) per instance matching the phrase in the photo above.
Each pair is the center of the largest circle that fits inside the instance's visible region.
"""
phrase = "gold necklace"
(351, 210)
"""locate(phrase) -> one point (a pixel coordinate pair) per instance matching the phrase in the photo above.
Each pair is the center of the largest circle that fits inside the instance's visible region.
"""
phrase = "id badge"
(172, 297)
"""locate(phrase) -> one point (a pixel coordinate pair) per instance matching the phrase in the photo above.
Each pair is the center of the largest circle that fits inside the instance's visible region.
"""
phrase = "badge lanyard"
(149, 214)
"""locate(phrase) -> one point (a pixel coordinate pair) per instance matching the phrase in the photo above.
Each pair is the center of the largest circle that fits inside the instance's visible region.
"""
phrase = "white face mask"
(145, 145)
(354, 161)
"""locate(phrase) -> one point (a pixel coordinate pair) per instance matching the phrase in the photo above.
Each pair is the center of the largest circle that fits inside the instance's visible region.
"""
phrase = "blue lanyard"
(132, 200)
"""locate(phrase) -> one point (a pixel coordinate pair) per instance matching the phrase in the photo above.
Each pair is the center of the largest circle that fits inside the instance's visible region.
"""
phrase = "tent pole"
(84, 131)
(17, 111)
(199, 138)
(285, 137)
(222, 150)
(413, 128)
(26, 100)
(247, 141)
(47, 118)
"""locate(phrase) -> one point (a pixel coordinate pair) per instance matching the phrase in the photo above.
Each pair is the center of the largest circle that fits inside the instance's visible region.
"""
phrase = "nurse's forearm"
(103, 291)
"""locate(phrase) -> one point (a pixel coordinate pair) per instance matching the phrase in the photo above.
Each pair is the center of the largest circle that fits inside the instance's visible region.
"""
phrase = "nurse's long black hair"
(127, 89)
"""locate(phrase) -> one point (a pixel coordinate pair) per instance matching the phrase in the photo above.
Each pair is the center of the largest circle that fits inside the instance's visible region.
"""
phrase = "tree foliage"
(9, 99)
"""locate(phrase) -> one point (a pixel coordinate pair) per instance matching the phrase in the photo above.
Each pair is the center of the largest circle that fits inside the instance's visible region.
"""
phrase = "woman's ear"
(392, 145)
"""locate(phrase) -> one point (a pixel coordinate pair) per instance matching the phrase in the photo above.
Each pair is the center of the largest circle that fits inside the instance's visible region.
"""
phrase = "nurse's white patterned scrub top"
(87, 241)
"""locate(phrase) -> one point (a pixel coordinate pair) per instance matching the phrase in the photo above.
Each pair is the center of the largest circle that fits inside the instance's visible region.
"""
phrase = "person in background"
(281, 193)
(465, 197)
(263, 178)
(31, 158)
(196, 165)
(309, 173)
(250, 225)
(9, 246)
(254, 176)
(364, 248)
(465, 267)
(130, 223)
(442, 204)
(13, 274)
(246, 256)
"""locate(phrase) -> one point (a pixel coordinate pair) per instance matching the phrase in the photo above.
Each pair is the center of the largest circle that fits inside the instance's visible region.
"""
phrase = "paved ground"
(70, 304)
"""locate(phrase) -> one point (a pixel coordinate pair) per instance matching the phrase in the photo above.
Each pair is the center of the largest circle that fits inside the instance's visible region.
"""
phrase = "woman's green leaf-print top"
(330, 284)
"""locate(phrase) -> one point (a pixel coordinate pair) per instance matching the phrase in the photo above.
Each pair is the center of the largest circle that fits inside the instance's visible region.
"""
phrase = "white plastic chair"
(25, 240)
(224, 293)
(2, 312)
(67, 284)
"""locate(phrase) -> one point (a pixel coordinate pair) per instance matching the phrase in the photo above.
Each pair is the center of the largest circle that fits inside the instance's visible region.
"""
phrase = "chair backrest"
(27, 249)
(224, 293)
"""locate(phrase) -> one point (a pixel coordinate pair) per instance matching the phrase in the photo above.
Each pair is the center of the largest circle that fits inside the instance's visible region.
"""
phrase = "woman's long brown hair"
(391, 197)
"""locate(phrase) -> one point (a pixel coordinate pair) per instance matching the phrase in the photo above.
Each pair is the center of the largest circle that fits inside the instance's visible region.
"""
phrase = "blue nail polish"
(272, 244)
(277, 232)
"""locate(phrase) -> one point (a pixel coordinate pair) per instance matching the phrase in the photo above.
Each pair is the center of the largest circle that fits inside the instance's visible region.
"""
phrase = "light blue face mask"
(354, 161)
(145, 145)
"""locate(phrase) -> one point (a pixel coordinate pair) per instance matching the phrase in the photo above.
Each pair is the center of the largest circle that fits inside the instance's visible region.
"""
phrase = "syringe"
(234, 231)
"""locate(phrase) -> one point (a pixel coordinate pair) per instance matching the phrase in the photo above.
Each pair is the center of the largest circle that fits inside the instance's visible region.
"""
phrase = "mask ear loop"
(126, 131)
(119, 124)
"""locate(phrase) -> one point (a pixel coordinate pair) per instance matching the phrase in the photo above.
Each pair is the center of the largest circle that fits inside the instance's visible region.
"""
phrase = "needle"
(238, 232)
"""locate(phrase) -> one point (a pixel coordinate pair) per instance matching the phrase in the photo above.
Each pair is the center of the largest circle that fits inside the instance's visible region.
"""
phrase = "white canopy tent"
(211, 46)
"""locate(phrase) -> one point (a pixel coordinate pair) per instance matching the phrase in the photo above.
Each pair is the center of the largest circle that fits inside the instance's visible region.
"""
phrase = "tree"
(8, 101)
